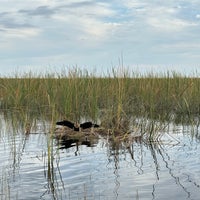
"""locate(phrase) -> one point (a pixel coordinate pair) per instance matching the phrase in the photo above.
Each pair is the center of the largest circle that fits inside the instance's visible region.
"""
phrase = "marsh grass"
(111, 99)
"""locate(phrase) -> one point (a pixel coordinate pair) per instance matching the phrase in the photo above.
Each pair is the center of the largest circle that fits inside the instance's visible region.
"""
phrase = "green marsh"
(111, 99)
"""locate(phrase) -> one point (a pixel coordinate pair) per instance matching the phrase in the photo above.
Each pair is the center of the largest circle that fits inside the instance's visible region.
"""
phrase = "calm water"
(101, 170)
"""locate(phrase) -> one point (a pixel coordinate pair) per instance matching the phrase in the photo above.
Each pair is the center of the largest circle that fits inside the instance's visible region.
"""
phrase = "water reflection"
(37, 166)
(68, 143)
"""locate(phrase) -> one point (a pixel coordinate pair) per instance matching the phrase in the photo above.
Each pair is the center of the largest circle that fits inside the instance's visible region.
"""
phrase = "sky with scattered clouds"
(149, 35)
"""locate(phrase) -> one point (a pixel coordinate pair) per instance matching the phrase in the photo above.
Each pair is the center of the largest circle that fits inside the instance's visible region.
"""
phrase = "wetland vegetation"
(111, 100)
(157, 109)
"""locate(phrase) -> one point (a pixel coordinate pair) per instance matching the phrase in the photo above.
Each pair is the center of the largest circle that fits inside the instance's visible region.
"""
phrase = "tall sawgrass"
(113, 98)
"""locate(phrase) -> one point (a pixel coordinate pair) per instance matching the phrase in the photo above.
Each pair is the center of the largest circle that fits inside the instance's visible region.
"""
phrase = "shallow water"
(102, 170)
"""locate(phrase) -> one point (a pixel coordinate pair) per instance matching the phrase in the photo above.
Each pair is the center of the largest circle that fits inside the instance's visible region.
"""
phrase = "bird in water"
(77, 127)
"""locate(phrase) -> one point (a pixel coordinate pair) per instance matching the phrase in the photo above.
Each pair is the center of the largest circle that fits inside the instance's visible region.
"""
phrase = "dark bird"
(75, 126)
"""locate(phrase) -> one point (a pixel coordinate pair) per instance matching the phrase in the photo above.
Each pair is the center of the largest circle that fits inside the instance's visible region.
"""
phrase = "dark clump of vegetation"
(112, 99)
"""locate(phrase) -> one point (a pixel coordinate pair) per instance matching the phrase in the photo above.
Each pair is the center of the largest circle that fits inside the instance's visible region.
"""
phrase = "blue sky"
(49, 35)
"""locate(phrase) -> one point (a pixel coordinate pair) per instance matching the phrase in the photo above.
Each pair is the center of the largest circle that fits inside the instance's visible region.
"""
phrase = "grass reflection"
(125, 162)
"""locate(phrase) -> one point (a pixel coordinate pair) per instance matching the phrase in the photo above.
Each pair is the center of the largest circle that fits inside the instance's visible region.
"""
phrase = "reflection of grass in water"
(142, 124)
(4, 187)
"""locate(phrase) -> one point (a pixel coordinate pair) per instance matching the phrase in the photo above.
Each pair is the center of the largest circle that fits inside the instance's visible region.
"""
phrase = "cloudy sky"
(50, 35)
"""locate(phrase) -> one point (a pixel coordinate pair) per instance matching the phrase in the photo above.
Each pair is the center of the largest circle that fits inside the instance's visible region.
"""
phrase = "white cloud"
(21, 33)
(88, 21)
(169, 24)
(162, 17)
(198, 16)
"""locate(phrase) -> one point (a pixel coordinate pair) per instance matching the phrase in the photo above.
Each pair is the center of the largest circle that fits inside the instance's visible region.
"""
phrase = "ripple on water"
(100, 172)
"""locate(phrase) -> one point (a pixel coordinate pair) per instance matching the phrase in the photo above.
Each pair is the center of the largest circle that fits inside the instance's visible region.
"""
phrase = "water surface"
(102, 169)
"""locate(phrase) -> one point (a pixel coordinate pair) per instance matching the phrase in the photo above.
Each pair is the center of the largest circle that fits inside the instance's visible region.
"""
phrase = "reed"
(112, 99)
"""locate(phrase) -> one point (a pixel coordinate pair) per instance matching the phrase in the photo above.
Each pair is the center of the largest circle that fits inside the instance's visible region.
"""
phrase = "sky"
(97, 35)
